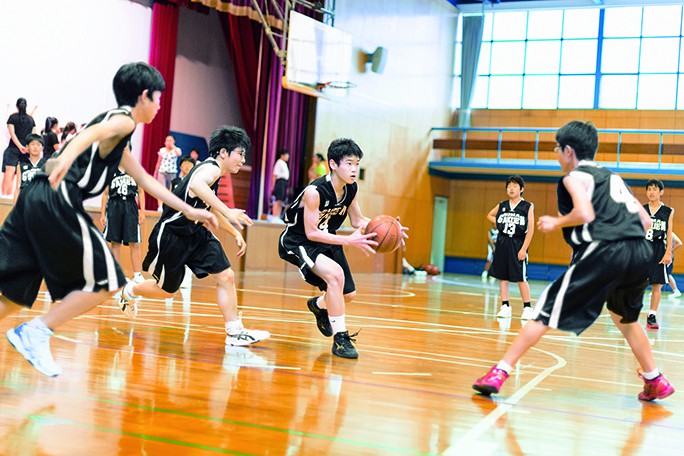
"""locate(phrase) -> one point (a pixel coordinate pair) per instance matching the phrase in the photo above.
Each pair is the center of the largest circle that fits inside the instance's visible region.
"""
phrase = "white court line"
(468, 440)
(411, 374)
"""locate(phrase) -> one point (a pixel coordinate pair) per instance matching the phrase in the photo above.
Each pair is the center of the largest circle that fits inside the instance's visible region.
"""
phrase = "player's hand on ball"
(363, 242)
(547, 223)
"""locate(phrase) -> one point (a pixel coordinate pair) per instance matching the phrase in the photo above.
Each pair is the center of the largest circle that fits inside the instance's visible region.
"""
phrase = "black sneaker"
(322, 320)
(651, 322)
(342, 345)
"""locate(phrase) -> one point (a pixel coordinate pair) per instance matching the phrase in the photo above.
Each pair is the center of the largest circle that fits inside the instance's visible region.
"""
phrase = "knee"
(225, 278)
(350, 296)
(335, 279)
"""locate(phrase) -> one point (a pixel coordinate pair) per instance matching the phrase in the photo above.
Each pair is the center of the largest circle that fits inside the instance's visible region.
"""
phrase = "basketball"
(387, 233)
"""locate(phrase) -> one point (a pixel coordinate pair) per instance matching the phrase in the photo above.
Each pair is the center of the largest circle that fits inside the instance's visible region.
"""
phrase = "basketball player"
(71, 254)
(310, 241)
(660, 237)
(492, 234)
(514, 219)
(676, 243)
(177, 241)
(29, 166)
(121, 219)
(605, 226)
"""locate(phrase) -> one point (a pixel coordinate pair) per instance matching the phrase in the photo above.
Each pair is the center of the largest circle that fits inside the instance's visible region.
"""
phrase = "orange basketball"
(387, 233)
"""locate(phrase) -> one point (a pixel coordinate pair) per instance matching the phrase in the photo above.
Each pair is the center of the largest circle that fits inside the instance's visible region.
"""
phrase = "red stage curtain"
(163, 40)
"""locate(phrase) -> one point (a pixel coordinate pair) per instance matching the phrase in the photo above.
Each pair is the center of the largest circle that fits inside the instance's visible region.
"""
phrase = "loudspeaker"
(377, 59)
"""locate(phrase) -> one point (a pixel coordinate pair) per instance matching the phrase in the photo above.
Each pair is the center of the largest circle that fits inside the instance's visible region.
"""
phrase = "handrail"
(501, 130)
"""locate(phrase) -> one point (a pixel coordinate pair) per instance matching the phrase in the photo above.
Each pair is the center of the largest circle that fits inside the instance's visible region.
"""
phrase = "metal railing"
(463, 132)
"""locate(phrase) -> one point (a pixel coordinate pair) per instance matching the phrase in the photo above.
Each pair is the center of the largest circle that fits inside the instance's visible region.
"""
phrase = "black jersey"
(513, 221)
(615, 209)
(90, 173)
(331, 212)
(122, 186)
(658, 232)
(174, 220)
(29, 170)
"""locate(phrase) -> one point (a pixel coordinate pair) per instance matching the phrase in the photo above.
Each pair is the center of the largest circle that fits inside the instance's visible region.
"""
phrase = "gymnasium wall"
(470, 201)
(389, 115)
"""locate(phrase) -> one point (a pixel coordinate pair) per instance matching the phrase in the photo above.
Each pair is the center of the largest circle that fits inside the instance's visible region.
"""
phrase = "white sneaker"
(484, 276)
(242, 336)
(128, 304)
(492, 279)
(527, 313)
(138, 278)
(504, 312)
(34, 345)
(675, 294)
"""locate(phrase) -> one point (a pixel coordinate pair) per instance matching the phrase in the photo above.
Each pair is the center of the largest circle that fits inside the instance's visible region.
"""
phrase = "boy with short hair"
(72, 256)
(514, 219)
(310, 241)
(177, 241)
(31, 164)
(121, 218)
(660, 237)
(605, 226)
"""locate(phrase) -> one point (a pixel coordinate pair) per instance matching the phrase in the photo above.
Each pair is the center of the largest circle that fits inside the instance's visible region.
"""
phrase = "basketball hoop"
(336, 89)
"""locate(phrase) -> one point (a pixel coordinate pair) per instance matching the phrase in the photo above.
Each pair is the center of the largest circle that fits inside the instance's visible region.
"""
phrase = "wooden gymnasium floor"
(164, 384)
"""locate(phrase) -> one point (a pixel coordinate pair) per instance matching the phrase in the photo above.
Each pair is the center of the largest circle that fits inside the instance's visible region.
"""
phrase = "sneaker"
(527, 313)
(342, 345)
(243, 336)
(128, 304)
(492, 382)
(484, 276)
(651, 322)
(504, 312)
(675, 294)
(322, 320)
(658, 388)
(138, 278)
(34, 345)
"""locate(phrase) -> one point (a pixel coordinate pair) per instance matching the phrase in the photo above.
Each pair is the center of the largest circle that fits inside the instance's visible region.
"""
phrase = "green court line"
(228, 421)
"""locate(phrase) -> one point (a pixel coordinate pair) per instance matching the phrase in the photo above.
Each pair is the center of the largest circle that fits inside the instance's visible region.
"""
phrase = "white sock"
(128, 291)
(234, 327)
(504, 366)
(651, 312)
(651, 375)
(138, 275)
(338, 324)
(39, 324)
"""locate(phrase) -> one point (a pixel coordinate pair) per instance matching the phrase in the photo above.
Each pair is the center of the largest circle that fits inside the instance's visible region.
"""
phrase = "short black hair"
(320, 157)
(34, 137)
(187, 158)
(343, 147)
(228, 137)
(132, 79)
(581, 136)
(282, 152)
(655, 183)
(517, 179)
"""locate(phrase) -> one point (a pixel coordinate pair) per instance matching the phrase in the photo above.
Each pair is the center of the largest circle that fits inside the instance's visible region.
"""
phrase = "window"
(612, 58)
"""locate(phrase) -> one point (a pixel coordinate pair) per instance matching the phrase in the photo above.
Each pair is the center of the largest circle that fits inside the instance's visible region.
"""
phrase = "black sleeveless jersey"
(513, 221)
(29, 170)
(175, 220)
(90, 173)
(658, 231)
(616, 211)
(331, 212)
(122, 186)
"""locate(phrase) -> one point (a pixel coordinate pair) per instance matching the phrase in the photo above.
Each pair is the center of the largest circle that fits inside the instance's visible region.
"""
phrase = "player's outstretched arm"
(111, 131)
(200, 186)
(157, 190)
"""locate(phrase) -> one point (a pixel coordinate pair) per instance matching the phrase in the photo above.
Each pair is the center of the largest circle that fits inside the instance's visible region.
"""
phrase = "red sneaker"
(492, 382)
(658, 388)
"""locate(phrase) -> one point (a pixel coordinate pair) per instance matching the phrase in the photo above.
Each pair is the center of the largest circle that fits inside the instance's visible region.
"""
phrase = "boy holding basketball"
(71, 255)
(605, 225)
(310, 241)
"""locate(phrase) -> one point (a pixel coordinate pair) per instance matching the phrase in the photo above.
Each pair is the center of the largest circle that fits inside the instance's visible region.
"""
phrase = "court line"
(475, 432)
(408, 374)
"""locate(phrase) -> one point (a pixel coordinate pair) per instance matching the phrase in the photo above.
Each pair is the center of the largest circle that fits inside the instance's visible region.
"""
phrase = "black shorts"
(122, 225)
(303, 253)
(601, 272)
(505, 264)
(10, 158)
(280, 190)
(48, 235)
(169, 253)
(657, 273)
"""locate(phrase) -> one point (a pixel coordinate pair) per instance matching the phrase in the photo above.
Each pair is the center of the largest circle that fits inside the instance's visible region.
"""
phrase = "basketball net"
(336, 90)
